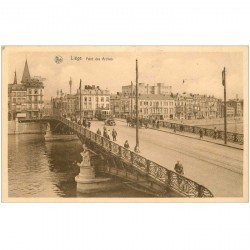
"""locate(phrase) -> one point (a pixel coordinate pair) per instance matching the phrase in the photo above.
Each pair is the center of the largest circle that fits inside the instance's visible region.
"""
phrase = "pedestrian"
(174, 128)
(114, 134)
(179, 168)
(181, 127)
(84, 123)
(107, 136)
(128, 119)
(201, 133)
(98, 131)
(104, 131)
(215, 133)
(153, 123)
(158, 124)
(89, 124)
(126, 145)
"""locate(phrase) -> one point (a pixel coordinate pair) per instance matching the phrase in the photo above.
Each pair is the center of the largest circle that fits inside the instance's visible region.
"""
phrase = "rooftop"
(154, 97)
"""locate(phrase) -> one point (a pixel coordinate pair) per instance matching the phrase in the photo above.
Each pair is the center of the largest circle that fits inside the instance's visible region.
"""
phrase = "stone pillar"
(86, 180)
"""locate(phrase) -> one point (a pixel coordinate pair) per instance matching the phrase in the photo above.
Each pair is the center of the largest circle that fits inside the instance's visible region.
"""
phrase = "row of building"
(157, 101)
(89, 100)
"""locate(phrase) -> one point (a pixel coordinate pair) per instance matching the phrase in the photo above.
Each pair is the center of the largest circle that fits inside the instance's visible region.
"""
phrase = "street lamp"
(131, 108)
(225, 104)
(137, 150)
(80, 89)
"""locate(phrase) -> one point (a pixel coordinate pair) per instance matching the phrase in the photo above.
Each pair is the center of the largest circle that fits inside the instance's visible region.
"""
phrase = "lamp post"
(80, 89)
(225, 104)
(131, 108)
(137, 150)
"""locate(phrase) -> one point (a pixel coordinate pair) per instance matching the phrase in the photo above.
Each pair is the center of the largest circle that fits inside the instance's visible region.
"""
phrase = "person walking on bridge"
(179, 168)
(201, 133)
(215, 133)
(98, 131)
(104, 131)
(126, 145)
(114, 134)
(89, 124)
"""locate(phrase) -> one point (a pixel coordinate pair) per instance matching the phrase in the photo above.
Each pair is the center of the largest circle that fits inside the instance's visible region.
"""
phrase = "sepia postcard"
(125, 124)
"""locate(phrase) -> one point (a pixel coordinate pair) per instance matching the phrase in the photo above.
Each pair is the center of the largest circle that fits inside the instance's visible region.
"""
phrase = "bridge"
(127, 165)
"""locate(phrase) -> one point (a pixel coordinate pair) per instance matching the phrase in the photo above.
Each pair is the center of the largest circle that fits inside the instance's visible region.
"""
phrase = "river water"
(47, 169)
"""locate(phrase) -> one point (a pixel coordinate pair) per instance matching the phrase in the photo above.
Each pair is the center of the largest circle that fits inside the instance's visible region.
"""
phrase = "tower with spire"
(15, 79)
(26, 74)
(29, 94)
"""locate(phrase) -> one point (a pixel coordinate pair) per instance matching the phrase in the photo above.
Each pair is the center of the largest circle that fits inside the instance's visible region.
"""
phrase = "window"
(89, 99)
(36, 92)
(30, 92)
(107, 99)
(85, 99)
(102, 99)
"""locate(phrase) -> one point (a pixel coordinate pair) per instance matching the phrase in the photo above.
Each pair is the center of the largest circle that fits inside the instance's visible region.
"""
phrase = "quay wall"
(15, 127)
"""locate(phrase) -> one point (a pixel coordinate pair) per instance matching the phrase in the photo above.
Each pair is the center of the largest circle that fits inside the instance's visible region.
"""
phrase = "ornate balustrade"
(231, 137)
(153, 170)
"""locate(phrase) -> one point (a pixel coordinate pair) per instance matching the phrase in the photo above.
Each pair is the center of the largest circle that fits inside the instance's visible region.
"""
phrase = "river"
(46, 169)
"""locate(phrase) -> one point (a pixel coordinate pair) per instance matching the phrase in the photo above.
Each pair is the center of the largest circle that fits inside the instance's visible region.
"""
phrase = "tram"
(103, 114)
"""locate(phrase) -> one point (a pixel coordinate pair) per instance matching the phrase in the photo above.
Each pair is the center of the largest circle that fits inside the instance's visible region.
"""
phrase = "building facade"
(153, 106)
(154, 89)
(25, 100)
(92, 99)
(237, 105)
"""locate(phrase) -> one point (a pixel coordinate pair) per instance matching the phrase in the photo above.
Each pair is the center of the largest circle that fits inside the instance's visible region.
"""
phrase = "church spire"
(26, 73)
(15, 80)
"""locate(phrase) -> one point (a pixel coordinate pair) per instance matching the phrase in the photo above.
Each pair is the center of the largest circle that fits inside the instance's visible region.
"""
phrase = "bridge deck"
(155, 173)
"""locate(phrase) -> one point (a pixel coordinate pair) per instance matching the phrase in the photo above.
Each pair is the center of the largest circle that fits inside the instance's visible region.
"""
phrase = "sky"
(200, 70)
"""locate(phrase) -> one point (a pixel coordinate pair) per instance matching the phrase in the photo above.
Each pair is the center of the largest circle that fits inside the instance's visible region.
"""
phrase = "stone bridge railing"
(231, 137)
(166, 177)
